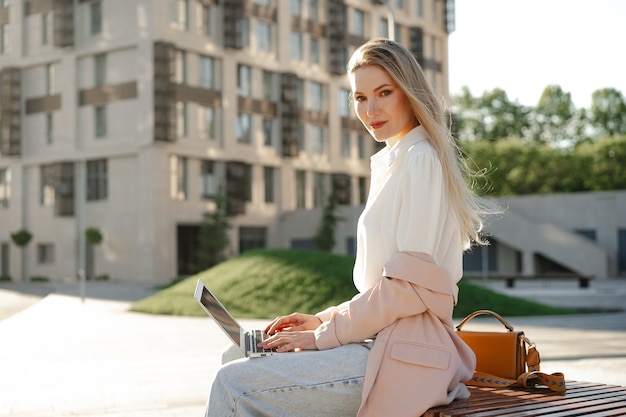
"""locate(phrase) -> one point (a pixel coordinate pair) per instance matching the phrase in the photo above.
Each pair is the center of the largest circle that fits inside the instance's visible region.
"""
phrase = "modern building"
(129, 116)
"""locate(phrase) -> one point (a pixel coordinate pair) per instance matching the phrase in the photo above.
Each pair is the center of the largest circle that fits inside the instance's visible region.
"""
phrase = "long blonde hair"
(431, 113)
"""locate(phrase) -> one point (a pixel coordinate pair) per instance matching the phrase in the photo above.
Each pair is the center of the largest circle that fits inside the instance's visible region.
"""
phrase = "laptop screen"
(215, 309)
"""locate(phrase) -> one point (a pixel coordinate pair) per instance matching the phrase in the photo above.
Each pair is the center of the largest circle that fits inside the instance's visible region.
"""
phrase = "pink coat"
(417, 360)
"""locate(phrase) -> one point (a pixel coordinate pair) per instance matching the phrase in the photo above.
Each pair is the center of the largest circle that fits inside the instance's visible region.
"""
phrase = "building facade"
(130, 116)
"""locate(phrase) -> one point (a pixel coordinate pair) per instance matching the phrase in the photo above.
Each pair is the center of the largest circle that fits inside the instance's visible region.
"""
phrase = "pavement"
(62, 355)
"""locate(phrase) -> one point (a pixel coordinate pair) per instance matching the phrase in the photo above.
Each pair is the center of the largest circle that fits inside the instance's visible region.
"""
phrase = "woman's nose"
(372, 108)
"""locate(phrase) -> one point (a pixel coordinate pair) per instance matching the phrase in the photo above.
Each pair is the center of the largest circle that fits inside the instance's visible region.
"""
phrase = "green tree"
(21, 238)
(93, 237)
(552, 116)
(324, 238)
(608, 112)
(213, 240)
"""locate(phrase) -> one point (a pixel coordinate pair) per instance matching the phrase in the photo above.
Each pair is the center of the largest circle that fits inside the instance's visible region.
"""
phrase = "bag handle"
(555, 381)
(488, 312)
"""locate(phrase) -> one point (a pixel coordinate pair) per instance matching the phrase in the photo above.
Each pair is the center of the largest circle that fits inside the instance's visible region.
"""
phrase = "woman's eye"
(385, 92)
(359, 98)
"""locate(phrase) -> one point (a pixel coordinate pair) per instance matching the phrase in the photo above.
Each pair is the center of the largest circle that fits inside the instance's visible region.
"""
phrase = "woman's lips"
(377, 125)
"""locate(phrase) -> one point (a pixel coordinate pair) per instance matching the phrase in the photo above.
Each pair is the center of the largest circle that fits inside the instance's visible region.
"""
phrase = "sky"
(522, 46)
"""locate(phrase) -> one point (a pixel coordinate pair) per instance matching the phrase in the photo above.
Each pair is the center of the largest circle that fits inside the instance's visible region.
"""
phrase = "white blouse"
(406, 210)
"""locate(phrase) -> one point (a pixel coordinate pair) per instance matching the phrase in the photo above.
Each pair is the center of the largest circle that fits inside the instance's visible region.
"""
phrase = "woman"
(391, 350)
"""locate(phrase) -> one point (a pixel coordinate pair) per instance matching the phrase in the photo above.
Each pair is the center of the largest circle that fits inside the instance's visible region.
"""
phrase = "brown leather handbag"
(506, 358)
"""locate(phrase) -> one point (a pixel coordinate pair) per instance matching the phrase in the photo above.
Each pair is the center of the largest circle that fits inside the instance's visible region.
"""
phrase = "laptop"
(246, 340)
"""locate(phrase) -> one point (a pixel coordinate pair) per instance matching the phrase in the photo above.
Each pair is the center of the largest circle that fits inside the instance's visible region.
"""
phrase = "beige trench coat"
(417, 361)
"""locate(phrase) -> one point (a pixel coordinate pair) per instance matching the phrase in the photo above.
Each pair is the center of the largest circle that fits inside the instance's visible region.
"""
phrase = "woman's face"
(380, 104)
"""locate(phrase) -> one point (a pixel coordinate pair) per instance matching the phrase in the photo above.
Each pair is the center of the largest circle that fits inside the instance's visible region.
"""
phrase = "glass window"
(317, 140)
(244, 80)
(207, 72)
(363, 141)
(296, 45)
(95, 17)
(252, 238)
(97, 180)
(242, 29)
(265, 3)
(269, 89)
(420, 8)
(384, 28)
(49, 129)
(346, 144)
(300, 138)
(100, 122)
(296, 7)
(209, 179)
(50, 74)
(4, 38)
(182, 126)
(5, 187)
(264, 37)
(208, 124)
(319, 191)
(300, 189)
(268, 178)
(99, 70)
(268, 131)
(178, 178)
(435, 10)
(45, 253)
(244, 133)
(207, 20)
(47, 179)
(181, 67)
(316, 96)
(362, 190)
(358, 23)
(45, 27)
(314, 10)
(314, 52)
(179, 14)
(344, 103)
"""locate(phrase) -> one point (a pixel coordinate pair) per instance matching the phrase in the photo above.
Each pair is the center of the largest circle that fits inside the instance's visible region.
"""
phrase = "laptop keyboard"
(253, 338)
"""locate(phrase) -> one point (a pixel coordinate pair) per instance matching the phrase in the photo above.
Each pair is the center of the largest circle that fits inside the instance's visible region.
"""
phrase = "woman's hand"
(287, 341)
(293, 323)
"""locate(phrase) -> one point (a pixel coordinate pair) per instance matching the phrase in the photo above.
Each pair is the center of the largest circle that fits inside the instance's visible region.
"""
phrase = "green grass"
(268, 283)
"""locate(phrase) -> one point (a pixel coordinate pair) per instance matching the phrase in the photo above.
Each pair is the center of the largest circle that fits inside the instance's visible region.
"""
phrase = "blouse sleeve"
(421, 205)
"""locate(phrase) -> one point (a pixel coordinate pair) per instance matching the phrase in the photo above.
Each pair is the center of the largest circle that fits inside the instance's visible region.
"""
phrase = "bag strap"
(555, 381)
(488, 312)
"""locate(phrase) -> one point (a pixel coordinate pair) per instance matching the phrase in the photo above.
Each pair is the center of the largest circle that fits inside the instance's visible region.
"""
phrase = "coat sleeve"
(412, 283)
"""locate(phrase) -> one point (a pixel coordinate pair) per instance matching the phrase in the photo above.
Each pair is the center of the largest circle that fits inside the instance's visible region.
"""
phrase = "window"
(5, 187)
(181, 67)
(420, 8)
(242, 29)
(95, 17)
(252, 238)
(346, 144)
(265, 3)
(97, 180)
(182, 126)
(435, 11)
(295, 42)
(207, 73)
(264, 37)
(269, 89)
(363, 141)
(314, 52)
(207, 20)
(268, 131)
(178, 178)
(47, 179)
(317, 140)
(244, 133)
(244, 80)
(208, 122)
(314, 10)
(45, 253)
(316, 96)
(100, 121)
(179, 14)
(99, 70)
(384, 28)
(45, 27)
(319, 191)
(362, 190)
(296, 7)
(300, 189)
(344, 103)
(342, 188)
(209, 179)
(268, 179)
(300, 138)
(4, 38)
(49, 128)
(50, 75)
(358, 23)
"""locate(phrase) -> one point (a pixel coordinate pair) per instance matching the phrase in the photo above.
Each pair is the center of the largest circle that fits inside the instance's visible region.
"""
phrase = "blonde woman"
(391, 350)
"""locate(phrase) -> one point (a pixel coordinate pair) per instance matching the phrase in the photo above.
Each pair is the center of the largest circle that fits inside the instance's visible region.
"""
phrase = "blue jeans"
(302, 384)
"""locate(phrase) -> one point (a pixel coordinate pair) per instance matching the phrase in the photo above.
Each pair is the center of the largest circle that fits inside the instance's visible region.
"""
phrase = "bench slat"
(581, 398)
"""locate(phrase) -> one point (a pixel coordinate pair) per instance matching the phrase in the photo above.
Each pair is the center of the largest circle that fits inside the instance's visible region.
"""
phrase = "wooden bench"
(580, 399)
(583, 280)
